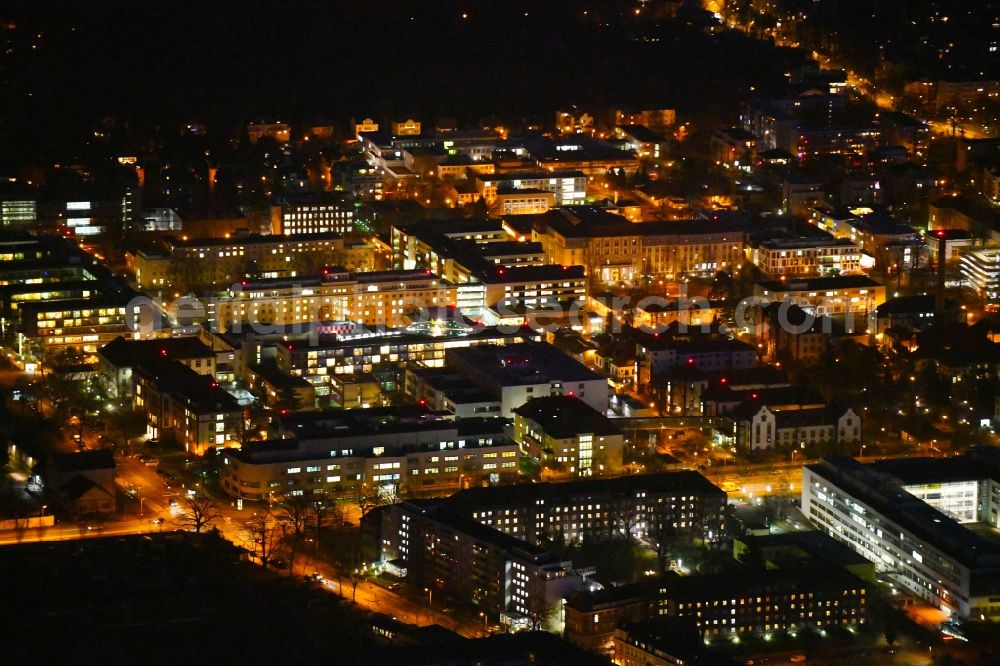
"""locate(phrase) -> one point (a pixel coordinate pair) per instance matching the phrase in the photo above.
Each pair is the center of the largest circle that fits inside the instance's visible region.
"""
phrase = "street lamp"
(483, 615)
(430, 596)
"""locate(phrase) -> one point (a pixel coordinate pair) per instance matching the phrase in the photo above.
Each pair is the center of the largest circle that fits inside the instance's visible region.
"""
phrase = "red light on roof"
(284, 412)
(243, 282)
(423, 402)
(690, 361)
(940, 233)
(724, 380)
(753, 395)
(326, 271)
(163, 352)
(571, 394)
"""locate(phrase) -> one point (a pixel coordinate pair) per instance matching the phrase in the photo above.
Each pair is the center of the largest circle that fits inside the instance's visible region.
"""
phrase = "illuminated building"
(646, 143)
(487, 268)
(465, 562)
(279, 131)
(87, 324)
(574, 121)
(600, 508)
(612, 249)
(18, 213)
(656, 119)
(808, 256)
(408, 127)
(312, 214)
(658, 353)
(906, 516)
(522, 202)
(222, 261)
(733, 148)
(760, 426)
(347, 452)
(580, 152)
(516, 373)
(765, 601)
(877, 233)
(849, 298)
(725, 606)
(568, 187)
(564, 433)
(981, 271)
(317, 361)
(372, 298)
(82, 219)
(117, 360)
(182, 405)
(358, 178)
(458, 167)
(788, 332)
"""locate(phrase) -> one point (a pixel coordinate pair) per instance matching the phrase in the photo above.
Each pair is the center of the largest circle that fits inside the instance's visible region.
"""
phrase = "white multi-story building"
(311, 215)
(569, 187)
(981, 271)
(911, 530)
(808, 256)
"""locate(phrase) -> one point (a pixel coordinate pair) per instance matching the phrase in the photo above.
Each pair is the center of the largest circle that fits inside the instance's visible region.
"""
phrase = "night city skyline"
(632, 332)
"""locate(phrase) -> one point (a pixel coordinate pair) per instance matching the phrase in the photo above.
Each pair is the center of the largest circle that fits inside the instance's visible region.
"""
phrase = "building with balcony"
(806, 257)
(317, 360)
(981, 271)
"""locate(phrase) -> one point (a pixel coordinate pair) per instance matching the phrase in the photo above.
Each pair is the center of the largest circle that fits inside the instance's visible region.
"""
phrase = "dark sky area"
(228, 62)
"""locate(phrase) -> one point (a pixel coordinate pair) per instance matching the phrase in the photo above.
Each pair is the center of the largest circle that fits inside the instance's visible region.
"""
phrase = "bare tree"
(200, 512)
(624, 520)
(356, 575)
(298, 510)
(540, 612)
(262, 535)
(366, 503)
(660, 535)
(384, 494)
(325, 513)
(388, 493)
(248, 426)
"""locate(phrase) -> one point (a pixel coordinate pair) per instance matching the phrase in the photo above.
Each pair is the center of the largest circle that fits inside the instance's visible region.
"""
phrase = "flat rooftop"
(686, 482)
(884, 494)
(564, 416)
(522, 363)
